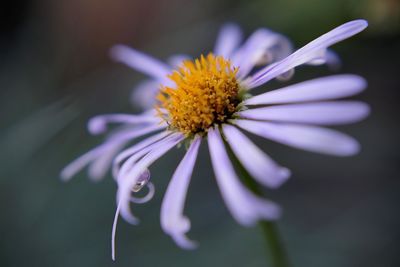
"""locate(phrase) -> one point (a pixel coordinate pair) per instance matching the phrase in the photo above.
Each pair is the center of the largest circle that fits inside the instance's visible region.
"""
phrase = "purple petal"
(114, 232)
(308, 52)
(126, 183)
(134, 149)
(98, 124)
(144, 94)
(256, 162)
(126, 167)
(176, 60)
(262, 43)
(78, 164)
(99, 167)
(107, 149)
(311, 138)
(173, 221)
(328, 57)
(322, 113)
(244, 206)
(326, 88)
(228, 40)
(140, 62)
(129, 134)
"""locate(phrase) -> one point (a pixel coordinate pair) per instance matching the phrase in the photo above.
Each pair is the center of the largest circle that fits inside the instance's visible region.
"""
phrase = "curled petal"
(132, 160)
(328, 57)
(244, 206)
(321, 113)
(147, 197)
(257, 163)
(326, 88)
(307, 53)
(121, 157)
(311, 138)
(127, 182)
(261, 48)
(173, 221)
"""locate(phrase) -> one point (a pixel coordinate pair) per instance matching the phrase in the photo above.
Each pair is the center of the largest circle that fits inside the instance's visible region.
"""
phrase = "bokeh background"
(55, 73)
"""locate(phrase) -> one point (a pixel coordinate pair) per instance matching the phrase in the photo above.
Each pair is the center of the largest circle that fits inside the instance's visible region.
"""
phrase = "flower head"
(206, 92)
(210, 97)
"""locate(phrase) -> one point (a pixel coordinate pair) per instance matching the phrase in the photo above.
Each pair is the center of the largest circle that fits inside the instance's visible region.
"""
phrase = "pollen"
(206, 92)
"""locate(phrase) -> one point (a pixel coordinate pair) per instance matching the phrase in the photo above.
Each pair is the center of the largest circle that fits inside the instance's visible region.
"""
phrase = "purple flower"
(261, 48)
(210, 98)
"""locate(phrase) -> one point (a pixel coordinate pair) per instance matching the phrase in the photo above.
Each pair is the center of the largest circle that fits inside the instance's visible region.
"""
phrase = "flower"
(209, 98)
(262, 47)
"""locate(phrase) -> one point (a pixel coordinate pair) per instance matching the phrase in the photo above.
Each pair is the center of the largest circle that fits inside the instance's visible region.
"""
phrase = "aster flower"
(261, 48)
(209, 98)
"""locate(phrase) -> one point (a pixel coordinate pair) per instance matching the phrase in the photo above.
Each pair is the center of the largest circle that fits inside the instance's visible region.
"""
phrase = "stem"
(275, 247)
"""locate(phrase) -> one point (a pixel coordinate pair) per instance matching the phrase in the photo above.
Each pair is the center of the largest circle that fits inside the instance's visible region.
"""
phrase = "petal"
(326, 88)
(244, 206)
(125, 168)
(103, 150)
(176, 60)
(261, 167)
(126, 183)
(99, 167)
(81, 162)
(322, 113)
(308, 52)
(130, 133)
(140, 62)
(114, 232)
(228, 40)
(134, 149)
(328, 57)
(262, 43)
(311, 138)
(144, 94)
(173, 221)
(145, 199)
(98, 124)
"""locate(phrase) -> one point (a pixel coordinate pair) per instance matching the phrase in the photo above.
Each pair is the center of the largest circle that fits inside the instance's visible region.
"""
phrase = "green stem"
(275, 247)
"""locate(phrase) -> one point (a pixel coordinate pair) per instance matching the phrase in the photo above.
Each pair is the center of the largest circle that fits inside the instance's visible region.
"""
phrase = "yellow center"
(206, 93)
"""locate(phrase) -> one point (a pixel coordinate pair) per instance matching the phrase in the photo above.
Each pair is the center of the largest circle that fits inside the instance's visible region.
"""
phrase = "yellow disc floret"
(206, 92)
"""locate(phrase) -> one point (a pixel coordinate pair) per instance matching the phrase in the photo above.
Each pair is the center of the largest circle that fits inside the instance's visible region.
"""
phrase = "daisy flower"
(209, 99)
(261, 48)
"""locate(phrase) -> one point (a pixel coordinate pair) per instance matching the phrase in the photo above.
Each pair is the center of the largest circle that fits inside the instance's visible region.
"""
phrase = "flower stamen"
(206, 93)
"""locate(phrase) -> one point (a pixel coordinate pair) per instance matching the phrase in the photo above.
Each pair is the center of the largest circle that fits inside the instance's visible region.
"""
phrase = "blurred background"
(55, 74)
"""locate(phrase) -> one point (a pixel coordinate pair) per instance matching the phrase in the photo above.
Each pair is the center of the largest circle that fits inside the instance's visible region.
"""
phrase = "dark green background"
(55, 74)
